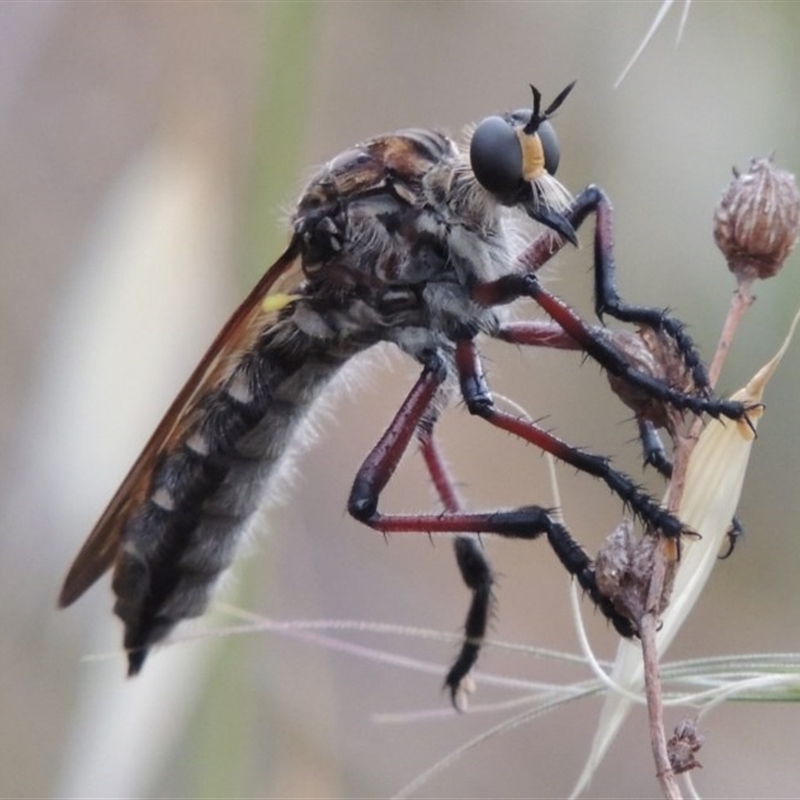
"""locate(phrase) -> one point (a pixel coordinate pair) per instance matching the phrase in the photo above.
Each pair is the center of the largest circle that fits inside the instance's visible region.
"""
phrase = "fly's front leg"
(537, 333)
(549, 334)
(544, 334)
(595, 344)
(607, 299)
(593, 200)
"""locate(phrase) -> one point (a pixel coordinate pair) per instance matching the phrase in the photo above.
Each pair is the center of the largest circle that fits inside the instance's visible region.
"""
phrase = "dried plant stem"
(648, 627)
(664, 560)
(741, 300)
(665, 556)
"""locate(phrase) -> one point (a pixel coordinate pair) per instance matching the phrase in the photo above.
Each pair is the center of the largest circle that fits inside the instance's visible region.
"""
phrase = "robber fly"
(405, 239)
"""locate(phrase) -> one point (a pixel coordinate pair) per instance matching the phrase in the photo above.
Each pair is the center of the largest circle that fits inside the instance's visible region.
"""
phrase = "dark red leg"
(478, 399)
(537, 333)
(527, 522)
(599, 348)
(593, 200)
(549, 334)
(473, 564)
(568, 331)
(440, 474)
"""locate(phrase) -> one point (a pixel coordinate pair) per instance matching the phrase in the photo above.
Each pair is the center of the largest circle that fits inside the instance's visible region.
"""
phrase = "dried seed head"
(683, 745)
(654, 354)
(756, 221)
(624, 570)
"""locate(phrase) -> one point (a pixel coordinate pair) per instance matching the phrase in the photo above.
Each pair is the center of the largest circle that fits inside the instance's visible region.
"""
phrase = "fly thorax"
(479, 244)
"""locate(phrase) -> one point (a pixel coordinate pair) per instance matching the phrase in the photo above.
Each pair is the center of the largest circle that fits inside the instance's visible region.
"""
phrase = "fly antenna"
(537, 102)
(537, 117)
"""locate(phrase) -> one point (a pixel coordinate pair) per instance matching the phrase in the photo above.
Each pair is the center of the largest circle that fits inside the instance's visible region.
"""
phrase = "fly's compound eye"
(509, 152)
(495, 154)
(504, 156)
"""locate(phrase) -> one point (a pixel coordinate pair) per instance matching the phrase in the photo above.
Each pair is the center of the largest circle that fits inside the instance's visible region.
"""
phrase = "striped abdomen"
(178, 541)
(377, 254)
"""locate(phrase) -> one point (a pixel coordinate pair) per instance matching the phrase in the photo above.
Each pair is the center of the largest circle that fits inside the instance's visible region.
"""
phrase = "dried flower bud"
(757, 220)
(624, 570)
(653, 354)
(683, 745)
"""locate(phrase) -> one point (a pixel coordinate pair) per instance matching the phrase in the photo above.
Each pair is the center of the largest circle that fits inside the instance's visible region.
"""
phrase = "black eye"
(496, 157)
(552, 153)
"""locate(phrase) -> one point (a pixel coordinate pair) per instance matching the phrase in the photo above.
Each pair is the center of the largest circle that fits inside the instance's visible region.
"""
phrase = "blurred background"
(149, 155)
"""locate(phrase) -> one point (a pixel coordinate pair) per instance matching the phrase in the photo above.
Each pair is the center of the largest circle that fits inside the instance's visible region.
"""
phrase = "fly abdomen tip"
(136, 660)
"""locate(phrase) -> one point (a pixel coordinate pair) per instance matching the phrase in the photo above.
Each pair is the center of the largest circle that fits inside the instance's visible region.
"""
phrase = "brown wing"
(251, 317)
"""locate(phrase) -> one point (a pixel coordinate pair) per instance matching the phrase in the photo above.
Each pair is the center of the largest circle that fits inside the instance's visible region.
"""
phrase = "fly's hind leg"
(417, 416)
(525, 522)
(473, 564)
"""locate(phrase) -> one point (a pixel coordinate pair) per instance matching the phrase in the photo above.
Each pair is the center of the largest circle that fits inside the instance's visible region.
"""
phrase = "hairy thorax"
(399, 230)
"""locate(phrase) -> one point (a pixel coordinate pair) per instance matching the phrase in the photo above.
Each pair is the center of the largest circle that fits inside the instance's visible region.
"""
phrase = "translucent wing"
(258, 312)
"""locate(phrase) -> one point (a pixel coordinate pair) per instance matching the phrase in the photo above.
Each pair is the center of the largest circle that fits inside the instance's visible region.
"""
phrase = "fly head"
(515, 158)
